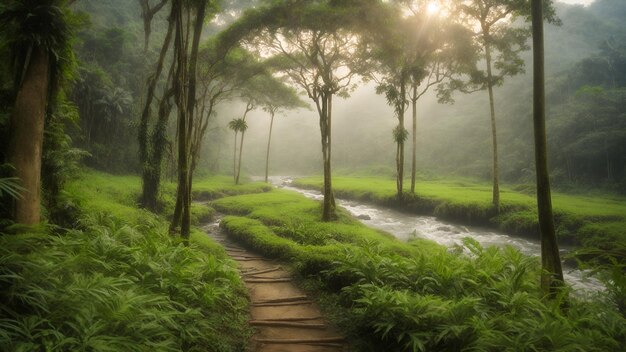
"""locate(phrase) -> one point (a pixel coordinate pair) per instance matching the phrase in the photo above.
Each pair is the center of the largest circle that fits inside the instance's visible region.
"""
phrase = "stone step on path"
(284, 317)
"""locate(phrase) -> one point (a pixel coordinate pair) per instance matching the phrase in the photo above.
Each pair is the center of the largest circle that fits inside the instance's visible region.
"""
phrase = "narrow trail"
(284, 318)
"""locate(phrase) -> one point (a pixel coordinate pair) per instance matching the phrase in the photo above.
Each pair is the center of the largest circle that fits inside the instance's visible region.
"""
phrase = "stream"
(405, 226)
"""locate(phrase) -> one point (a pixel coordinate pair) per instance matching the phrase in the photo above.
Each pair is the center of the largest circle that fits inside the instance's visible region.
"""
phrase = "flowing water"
(405, 226)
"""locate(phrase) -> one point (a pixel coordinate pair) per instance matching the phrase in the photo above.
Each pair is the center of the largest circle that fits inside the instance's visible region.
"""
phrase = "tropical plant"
(10, 186)
(38, 33)
(238, 126)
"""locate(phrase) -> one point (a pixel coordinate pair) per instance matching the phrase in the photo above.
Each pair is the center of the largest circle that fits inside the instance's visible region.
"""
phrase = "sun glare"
(432, 8)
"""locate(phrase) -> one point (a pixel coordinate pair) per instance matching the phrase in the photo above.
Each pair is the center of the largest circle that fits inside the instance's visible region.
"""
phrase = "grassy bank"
(591, 221)
(117, 281)
(417, 296)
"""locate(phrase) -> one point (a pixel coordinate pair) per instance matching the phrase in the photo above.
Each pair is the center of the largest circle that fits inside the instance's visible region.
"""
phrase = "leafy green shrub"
(112, 287)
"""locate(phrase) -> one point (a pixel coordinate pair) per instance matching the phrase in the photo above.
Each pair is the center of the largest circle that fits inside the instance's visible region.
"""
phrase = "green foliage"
(10, 186)
(238, 125)
(118, 281)
(29, 23)
(109, 79)
(418, 296)
(60, 160)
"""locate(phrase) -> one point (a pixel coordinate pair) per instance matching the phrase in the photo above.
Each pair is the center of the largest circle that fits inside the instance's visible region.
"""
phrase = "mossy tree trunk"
(27, 126)
(151, 154)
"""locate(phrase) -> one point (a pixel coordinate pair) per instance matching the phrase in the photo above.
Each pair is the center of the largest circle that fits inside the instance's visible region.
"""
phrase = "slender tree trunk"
(185, 227)
(182, 209)
(27, 126)
(243, 133)
(185, 100)
(400, 141)
(249, 107)
(331, 194)
(492, 111)
(149, 191)
(328, 207)
(235, 158)
(414, 136)
(552, 276)
(269, 143)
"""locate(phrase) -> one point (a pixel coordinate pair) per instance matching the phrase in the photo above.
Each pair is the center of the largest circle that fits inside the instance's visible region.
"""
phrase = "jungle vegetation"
(120, 120)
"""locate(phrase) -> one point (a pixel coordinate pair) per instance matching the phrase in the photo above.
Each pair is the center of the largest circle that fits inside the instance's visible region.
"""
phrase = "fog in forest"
(453, 139)
(313, 175)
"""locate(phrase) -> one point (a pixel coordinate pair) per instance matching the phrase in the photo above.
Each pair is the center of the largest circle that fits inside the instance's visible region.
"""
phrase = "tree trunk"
(249, 107)
(414, 136)
(552, 276)
(400, 150)
(269, 142)
(492, 111)
(328, 207)
(27, 126)
(331, 194)
(185, 100)
(181, 212)
(150, 190)
(235, 158)
(152, 173)
(243, 133)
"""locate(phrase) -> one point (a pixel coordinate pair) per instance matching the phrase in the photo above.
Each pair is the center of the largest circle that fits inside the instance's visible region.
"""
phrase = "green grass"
(418, 296)
(593, 221)
(118, 281)
(221, 186)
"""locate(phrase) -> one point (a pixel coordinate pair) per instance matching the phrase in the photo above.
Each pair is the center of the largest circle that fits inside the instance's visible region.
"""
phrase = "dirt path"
(285, 319)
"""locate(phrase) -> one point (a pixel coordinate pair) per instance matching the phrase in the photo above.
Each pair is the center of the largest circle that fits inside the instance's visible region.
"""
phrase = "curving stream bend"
(405, 226)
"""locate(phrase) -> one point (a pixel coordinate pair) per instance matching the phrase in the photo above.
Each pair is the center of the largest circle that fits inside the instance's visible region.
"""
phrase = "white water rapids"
(405, 226)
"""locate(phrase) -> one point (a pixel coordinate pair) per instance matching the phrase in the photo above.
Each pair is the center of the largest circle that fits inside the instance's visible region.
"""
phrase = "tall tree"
(220, 77)
(185, 78)
(278, 97)
(237, 126)
(151, 149)
(251, 104)
(416, 50)
(39, 33)
(502, 41)
(552, 275)
(318, 48)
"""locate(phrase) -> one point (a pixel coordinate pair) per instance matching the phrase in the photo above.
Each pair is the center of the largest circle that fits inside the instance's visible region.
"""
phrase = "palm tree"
(38, 34)
(237, 125)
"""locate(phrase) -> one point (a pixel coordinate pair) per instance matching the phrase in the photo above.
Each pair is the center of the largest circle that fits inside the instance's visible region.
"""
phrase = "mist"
(453, 139)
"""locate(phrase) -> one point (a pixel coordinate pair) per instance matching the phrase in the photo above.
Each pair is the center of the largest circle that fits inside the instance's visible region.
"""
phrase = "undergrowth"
(117, 281)
(419, 296)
